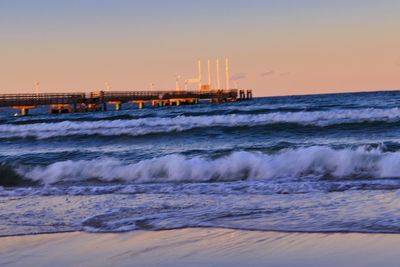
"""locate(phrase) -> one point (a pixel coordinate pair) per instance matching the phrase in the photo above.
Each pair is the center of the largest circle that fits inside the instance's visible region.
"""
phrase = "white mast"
(37, 87)
(108, 87)
(218, 76)
(200, 75)
(177, 87)
(227, 74)
(209, 73)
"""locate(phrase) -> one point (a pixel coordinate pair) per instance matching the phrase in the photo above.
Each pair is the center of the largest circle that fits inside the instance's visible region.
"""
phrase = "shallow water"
(326, 163)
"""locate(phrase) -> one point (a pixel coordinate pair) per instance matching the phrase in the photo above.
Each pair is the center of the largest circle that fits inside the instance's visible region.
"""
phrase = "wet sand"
(201, 247)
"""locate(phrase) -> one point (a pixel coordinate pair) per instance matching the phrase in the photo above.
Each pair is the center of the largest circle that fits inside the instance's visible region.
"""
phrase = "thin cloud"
(238, 76)
(284, 73)
(267, 73)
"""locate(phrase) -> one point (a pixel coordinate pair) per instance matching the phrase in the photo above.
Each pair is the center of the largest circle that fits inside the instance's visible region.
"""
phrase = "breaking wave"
(316, 161)
(143, 126)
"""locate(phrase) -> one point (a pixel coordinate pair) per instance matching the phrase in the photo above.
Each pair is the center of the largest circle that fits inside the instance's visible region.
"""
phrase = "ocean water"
(321, 163)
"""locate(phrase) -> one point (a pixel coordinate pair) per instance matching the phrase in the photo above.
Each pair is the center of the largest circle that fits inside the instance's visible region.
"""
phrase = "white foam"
(137, 127)
(313, 161)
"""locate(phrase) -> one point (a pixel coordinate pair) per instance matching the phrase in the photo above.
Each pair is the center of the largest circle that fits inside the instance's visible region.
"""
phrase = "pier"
(98, 101)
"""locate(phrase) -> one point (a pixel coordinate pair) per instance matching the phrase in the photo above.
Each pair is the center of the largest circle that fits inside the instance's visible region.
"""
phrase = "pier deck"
(94, 101)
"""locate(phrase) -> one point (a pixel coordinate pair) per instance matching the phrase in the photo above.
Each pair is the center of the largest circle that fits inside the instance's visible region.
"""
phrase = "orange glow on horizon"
(296, 50)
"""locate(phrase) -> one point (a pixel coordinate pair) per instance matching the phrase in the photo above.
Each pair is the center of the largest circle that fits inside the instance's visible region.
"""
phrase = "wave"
(144, 126)
(317, 162)
(87, 118)
(237, 188)
(163, 113)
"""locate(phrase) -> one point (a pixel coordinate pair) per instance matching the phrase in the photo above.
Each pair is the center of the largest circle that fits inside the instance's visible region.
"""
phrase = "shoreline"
(205, 228)
(200, 247)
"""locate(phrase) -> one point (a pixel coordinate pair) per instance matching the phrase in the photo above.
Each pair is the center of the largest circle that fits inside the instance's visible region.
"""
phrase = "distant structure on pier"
(199, 80)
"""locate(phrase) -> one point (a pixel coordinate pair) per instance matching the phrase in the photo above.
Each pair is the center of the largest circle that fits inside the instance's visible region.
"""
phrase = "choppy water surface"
(305, 163)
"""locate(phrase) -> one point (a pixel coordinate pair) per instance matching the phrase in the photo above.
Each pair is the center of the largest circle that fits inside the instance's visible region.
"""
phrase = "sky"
(283, 47)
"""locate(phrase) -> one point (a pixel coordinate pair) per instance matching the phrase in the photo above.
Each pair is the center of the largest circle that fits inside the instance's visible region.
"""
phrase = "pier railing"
(10, 100)
(125, 96)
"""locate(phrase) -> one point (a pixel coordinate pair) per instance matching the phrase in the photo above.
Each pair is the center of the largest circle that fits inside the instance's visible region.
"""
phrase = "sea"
(313, 163)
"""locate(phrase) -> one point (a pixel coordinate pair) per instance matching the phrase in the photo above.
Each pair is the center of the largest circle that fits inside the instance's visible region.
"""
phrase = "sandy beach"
(200, 247)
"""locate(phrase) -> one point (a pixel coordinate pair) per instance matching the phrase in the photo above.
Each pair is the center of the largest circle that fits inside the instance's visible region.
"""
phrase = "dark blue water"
(322, 163)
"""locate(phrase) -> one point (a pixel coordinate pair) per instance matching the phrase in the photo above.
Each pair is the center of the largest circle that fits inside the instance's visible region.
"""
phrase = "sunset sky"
(275, 47)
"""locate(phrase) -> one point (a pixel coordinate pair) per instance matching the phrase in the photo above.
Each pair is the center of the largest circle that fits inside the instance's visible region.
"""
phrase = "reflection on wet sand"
(200, 247)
